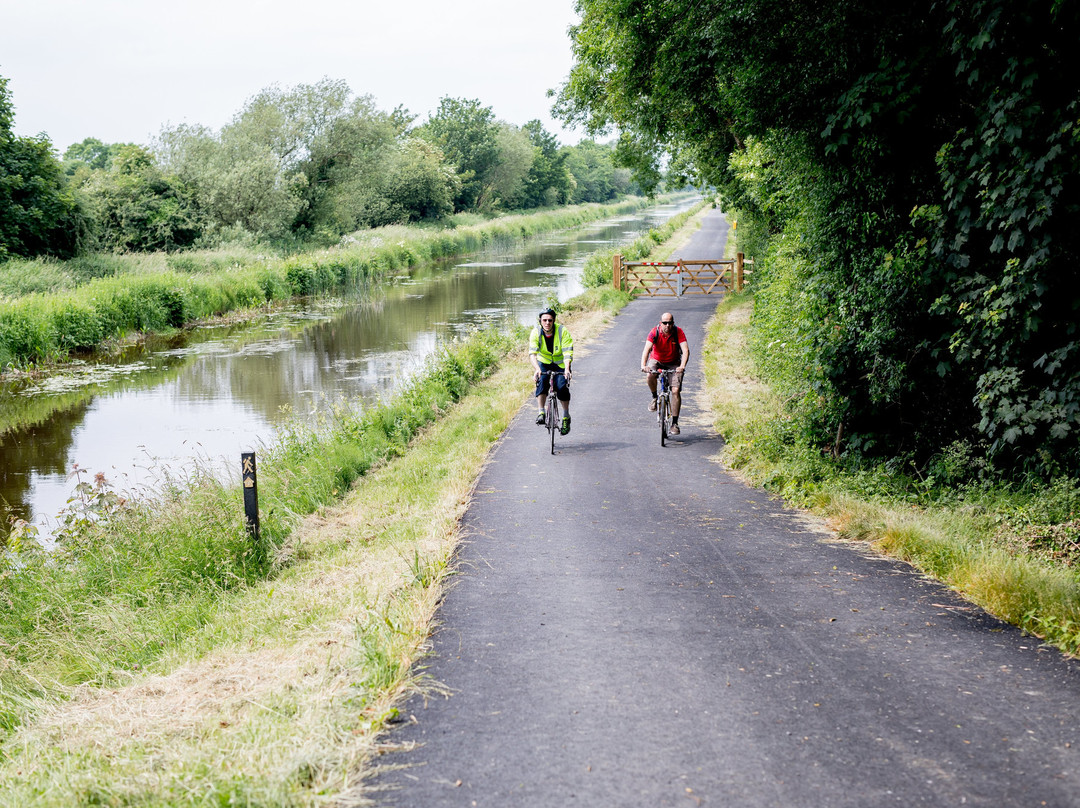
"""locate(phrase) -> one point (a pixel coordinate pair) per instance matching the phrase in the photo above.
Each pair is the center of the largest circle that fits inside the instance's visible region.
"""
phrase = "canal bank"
(203, 397)
(290, 679)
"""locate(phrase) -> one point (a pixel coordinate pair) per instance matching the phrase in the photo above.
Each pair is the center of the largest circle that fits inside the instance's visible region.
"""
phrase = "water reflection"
(223, 390)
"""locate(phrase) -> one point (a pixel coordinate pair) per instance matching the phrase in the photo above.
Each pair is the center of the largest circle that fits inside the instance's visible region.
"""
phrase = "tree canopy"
(910, 175)
(296, 167)
(38, 215)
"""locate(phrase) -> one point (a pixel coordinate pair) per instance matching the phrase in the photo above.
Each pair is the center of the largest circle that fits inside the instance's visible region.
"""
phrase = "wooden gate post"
(617, 272)
(738, 271)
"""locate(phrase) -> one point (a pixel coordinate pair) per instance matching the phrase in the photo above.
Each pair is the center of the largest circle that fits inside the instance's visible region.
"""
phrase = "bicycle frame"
(551, 408)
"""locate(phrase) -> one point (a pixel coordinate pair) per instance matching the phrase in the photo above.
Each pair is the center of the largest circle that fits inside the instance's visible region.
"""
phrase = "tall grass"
(50, 310)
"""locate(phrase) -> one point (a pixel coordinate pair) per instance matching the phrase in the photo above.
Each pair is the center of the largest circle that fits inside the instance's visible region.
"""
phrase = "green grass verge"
(129, 582)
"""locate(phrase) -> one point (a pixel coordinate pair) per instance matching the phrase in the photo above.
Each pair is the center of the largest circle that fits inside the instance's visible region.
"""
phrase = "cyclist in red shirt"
(666, 349)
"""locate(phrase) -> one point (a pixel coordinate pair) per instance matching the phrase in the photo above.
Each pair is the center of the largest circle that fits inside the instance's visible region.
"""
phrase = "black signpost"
(251, 493)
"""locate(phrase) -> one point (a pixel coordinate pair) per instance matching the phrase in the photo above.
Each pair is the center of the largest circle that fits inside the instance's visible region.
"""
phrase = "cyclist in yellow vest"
(551, 349)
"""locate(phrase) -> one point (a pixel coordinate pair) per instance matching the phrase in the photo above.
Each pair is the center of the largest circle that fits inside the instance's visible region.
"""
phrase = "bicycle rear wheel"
(662, 417)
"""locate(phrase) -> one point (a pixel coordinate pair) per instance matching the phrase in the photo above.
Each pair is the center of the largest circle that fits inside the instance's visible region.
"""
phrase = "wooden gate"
(678, 278)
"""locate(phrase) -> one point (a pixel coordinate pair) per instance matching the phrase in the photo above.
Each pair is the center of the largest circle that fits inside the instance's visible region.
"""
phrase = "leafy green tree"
(418, 184)
(238, 185)
(39, 215)
(596, 178)
(467, 134)
(91, 153)
(504, 182)
(306, 161)
(548, 181)
(137, 207)
(681, 172)
(340, 144)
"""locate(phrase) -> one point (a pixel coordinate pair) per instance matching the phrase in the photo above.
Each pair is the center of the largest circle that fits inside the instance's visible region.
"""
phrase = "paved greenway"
(632, 626)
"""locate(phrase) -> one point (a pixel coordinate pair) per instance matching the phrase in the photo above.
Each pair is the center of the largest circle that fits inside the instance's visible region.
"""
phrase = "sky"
(120, 70)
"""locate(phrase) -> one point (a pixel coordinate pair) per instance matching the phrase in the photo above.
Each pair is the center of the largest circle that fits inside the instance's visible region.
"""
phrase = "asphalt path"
(632, 626)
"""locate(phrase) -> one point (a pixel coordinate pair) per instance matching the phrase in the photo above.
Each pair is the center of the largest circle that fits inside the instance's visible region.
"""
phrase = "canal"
(202, 398)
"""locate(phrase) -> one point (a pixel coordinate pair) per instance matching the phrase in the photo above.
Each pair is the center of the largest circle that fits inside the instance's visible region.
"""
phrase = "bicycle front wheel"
(552, 421)
(662, 417)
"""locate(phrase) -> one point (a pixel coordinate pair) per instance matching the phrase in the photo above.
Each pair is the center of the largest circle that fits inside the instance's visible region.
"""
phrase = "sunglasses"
(666, 322)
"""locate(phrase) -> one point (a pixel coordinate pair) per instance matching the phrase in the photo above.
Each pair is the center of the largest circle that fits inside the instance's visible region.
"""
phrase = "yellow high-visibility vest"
(562, 346)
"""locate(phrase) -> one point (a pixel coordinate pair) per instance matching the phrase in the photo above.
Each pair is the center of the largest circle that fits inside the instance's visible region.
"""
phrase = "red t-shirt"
(665, 349)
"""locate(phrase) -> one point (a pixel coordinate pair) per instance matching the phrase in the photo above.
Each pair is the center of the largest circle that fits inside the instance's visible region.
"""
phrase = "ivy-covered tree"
(917, 163)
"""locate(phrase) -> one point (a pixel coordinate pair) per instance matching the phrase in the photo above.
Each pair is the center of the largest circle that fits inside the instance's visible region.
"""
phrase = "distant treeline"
(297, 167)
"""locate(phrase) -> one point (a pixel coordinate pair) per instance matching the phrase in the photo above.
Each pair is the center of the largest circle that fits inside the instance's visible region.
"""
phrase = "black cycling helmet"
(548, 310)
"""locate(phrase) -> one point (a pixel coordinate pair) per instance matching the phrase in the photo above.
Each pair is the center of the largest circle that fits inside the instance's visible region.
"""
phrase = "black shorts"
(562, 389)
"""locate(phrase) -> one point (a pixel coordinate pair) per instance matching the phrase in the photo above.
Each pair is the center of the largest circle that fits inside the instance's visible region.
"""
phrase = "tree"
(595, 177)
(38, 213)
(467, 135)
(138, 207)
(238, 185)
(305, 161)
(418, 184)
(91, 153)
(922, 174)
(339, 143)
(548, 182)
(504, 182)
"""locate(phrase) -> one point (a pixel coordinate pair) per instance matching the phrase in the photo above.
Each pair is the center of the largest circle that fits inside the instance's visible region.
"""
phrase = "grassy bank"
(1012, 549)
(50, 310)
(161, 658)
(267, 683)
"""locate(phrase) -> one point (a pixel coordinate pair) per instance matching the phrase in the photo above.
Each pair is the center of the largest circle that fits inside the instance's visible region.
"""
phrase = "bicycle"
(551, 408)
(663, 403)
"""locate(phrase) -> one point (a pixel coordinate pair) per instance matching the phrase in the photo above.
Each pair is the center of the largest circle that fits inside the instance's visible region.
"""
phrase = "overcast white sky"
(119, 70)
